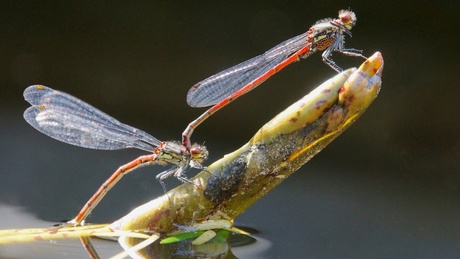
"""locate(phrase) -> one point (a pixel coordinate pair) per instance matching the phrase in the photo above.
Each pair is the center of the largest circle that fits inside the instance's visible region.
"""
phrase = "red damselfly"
(326, 35)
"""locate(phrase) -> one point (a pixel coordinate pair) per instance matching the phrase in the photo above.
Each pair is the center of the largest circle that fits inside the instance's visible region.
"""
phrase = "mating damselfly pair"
(70, 120)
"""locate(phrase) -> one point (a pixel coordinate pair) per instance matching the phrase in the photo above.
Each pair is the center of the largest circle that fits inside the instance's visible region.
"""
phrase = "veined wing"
(221, 85)
(70, 120)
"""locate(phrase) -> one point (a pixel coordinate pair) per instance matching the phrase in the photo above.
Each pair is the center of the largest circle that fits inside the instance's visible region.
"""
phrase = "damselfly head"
(199, 153)
(347, 18)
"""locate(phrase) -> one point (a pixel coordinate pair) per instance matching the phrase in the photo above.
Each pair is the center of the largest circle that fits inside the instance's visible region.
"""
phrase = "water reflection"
(236, 246)
(16, 217)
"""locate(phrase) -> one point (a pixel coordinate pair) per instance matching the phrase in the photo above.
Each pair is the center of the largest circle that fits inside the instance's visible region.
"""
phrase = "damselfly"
(326, 35)
(70, 120)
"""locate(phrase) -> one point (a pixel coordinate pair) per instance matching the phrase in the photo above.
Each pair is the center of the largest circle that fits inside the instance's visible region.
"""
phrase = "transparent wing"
(70, 120)
(221, 85)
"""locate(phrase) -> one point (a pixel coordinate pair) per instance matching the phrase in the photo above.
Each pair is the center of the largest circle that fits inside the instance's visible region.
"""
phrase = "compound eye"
(345, 18)
(195, 151)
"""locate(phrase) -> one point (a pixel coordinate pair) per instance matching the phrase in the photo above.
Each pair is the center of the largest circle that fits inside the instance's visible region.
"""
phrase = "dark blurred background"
(388, 187)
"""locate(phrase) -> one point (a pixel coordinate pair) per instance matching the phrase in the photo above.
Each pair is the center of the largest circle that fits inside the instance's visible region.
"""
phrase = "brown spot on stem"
(158, 216)
(351, 98)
